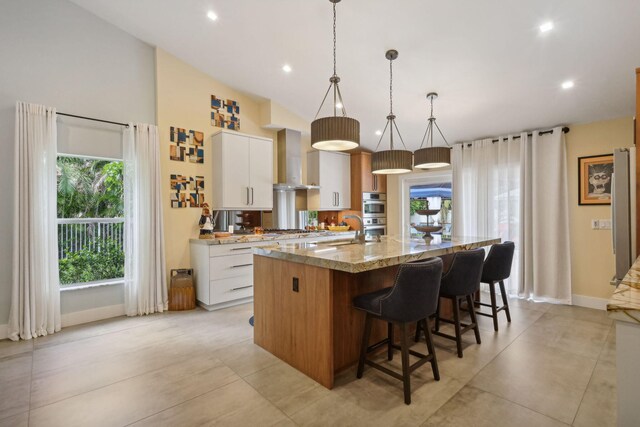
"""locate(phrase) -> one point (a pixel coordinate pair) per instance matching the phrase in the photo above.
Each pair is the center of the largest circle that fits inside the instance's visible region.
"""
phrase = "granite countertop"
(247, 238)
(356, 258)
(624, 304)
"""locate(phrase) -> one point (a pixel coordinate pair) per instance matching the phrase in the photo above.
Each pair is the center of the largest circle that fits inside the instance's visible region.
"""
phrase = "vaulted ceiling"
(494, 70)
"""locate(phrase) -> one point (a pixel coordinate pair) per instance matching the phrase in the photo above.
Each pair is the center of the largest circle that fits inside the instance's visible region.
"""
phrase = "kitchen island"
(303, 293)
(624, 308)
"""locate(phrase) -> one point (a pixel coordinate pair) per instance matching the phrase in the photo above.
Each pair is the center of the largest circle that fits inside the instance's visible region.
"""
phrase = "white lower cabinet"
(224, 273)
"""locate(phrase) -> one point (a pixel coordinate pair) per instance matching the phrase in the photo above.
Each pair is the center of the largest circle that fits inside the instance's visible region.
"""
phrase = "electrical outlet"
(604, 224)
(296, 285)
(595, 225)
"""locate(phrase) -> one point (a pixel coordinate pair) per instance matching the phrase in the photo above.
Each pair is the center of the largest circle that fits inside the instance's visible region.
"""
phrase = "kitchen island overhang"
(303, 294)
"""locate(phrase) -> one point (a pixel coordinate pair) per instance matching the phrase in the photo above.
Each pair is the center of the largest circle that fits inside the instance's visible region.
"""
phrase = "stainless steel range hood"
(290, 162)
(289, 189)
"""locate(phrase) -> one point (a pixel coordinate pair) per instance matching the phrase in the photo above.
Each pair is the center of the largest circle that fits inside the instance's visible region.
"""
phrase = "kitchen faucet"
(360, 237)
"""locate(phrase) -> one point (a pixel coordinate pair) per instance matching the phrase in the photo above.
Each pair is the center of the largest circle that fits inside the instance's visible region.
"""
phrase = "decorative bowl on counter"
(427, 230)
(338, 228)
(427, 211)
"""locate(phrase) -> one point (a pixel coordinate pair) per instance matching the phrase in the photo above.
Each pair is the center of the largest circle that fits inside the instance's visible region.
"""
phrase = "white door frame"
(406, 181)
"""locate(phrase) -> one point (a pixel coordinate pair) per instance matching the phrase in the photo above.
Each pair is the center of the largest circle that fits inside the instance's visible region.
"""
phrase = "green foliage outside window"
(416, 204)
(89, 188)
(88, 265)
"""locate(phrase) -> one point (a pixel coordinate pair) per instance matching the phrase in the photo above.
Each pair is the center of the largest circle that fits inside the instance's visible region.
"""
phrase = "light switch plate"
(595, 224)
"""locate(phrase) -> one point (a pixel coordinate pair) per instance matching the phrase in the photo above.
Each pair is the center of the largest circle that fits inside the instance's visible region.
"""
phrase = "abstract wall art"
(196, 199)
(183, 145)
(179, 191)
(196, 148)
(187, 191)
(225, 113)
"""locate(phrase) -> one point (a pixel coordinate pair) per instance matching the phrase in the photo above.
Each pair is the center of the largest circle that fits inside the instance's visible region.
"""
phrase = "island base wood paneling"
(295, 326)
(316, 329)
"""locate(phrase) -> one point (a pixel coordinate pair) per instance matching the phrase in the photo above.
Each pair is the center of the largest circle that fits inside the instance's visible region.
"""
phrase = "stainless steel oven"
(374, 227)
(374, 205)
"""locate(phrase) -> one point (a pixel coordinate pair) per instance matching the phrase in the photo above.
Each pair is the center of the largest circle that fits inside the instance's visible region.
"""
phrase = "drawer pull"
(240, 249)
(241, 265)
(241, 287)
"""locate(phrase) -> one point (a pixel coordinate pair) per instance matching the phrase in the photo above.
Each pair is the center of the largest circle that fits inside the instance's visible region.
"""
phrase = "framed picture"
(594, 179)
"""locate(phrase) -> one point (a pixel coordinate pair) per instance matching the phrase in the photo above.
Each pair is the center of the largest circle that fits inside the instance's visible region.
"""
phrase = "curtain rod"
(543, 132)
(94, 120)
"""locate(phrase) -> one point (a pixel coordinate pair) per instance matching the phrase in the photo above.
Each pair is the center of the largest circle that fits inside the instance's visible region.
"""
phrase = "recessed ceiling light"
(378, 132)
(212, 15)
(568, 84)
(338, 105)
(286, 68)
(547, 26)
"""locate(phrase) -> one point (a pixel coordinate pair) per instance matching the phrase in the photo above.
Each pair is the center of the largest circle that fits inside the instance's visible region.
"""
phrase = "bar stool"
(497, 268)
(412, 298)
(459, 283)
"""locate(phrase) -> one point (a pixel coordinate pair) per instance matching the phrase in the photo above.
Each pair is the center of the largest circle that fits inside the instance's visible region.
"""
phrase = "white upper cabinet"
(242, 172)
(332, 172)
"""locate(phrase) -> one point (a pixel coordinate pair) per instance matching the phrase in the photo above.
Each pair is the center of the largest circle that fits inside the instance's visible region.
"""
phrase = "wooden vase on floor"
(182, 294)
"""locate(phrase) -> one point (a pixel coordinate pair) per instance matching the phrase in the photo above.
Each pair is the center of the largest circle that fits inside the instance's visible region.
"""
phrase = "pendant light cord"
(334, 80)
(390, 87)
(391, 118)
(334, 41)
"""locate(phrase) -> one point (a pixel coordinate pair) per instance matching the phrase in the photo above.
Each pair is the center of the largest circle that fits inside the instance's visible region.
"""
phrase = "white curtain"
(545, 266)
(35, 299)
(486, 193)
(516, 189)
(145, 275)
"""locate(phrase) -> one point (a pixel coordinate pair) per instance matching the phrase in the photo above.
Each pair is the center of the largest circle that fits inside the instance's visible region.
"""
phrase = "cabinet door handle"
(240, 249)
(251, 196)
(241, 287)
(338, 204)
(375, 182)
(247, 196)
(241, 265)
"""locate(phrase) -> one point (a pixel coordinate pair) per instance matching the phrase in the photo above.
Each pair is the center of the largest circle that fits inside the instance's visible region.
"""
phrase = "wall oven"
(374, 205)
(374, 227)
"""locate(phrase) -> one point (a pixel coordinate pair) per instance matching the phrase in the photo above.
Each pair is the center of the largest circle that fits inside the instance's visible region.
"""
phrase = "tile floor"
(552, 366)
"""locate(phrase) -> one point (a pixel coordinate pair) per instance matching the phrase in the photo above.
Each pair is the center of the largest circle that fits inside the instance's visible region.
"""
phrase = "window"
(90, 221)
(416, 190)
(436, 196)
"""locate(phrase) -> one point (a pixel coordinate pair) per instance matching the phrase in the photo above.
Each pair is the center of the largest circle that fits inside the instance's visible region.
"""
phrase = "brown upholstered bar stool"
(460, 283)
(496, 269)
(412, 298)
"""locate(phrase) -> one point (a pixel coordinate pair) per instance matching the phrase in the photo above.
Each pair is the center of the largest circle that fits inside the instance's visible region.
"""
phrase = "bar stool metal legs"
(405, 351)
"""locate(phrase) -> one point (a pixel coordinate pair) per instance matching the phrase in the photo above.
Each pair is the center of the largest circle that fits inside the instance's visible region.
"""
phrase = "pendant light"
(432, 157)
(335, 133)
(389, 162)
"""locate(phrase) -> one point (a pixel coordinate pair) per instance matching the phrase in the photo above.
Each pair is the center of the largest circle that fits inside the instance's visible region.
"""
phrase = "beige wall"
(393, 205)
(183, 100)
(592, 261)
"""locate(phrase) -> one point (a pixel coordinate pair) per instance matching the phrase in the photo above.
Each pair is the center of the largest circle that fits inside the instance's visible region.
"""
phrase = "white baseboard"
(4, 332)
(86, 316)
(589, 302)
